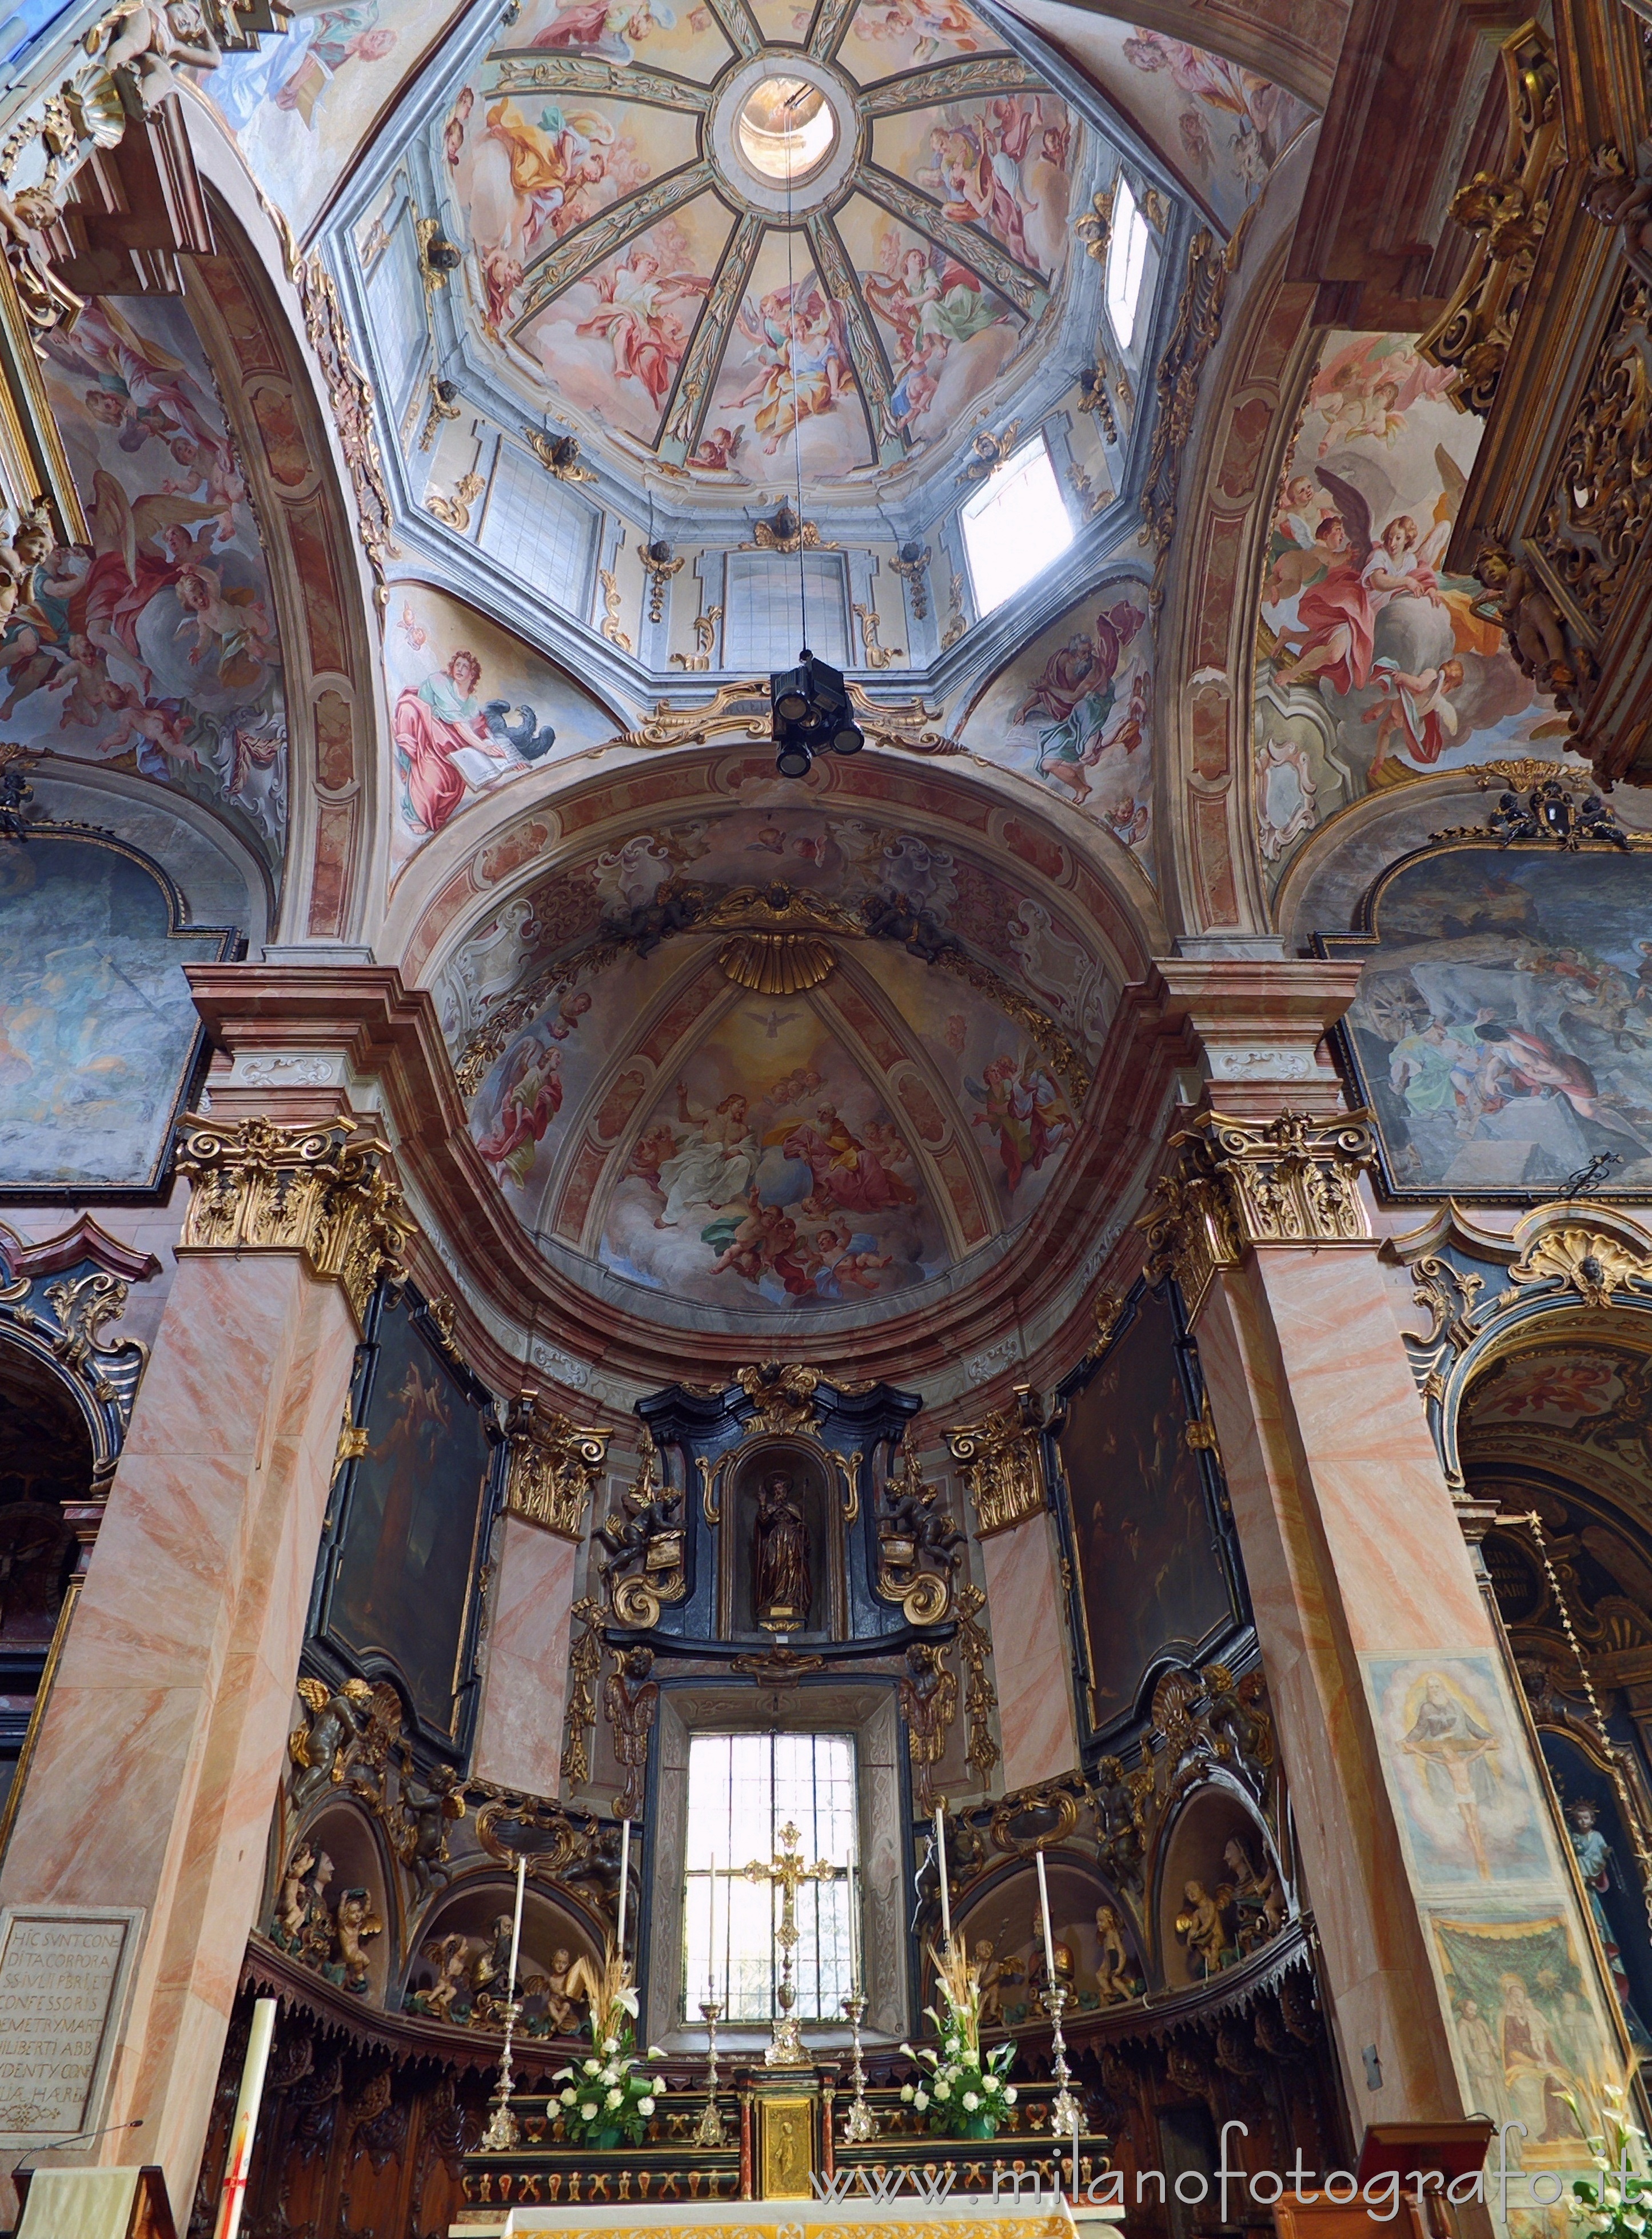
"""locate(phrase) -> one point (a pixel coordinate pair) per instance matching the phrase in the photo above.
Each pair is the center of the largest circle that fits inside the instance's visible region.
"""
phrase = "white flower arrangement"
(965, 2093)
(606, 2099)
(1616, 2201)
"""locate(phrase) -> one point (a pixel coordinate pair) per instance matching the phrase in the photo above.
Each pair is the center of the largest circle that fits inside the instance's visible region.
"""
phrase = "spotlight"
(812, 714)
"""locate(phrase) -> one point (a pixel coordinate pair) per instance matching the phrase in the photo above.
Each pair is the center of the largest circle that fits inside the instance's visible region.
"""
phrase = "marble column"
(1427, 1845)
(162, 1745)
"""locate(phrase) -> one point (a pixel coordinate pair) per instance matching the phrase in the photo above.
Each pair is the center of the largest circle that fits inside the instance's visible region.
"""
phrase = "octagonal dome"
(729, 244)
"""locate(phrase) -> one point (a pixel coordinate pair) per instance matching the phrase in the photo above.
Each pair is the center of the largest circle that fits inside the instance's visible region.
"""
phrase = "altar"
(971, 2219)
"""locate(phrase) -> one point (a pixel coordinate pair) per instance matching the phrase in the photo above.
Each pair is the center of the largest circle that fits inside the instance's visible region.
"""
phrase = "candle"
(940, 1868)
(516, 1924)
(625, 1877)
(854, 1935)
(728, 1946)
(711, 1931)
(246, 2121)
(1049, 1941)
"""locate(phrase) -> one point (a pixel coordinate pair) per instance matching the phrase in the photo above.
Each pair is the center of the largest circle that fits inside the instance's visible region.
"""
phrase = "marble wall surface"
(1033, 1660)
(160, 1753)
(519, 1736)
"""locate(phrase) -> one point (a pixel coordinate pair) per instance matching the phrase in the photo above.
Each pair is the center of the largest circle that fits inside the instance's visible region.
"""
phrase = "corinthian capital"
(327, 1192)
(1293, 1179)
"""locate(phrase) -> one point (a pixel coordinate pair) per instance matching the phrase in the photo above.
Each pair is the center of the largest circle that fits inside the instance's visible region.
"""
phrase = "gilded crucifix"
(785, 1870)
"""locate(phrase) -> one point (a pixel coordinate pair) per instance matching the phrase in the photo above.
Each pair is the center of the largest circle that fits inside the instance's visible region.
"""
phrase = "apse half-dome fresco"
(698, 234)
(769, 1062)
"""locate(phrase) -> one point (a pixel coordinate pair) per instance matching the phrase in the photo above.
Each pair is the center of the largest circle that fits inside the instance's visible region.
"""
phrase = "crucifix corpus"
(785, 1870)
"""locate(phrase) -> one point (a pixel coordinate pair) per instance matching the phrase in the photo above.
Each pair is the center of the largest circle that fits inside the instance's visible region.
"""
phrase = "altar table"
(903, 2217)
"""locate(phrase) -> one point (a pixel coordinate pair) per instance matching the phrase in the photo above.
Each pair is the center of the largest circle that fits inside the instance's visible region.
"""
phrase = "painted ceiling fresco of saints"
(154, 646)
(1503, 1030)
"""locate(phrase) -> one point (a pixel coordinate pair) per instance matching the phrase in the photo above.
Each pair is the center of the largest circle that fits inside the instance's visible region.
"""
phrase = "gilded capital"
(1002, 1461)
(1294, 1179)
(327, 1192)
(554, 1464)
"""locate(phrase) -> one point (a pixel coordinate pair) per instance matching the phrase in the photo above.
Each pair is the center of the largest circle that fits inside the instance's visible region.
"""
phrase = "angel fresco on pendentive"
(1254, 117)
(449, 739)
(156, 641)
(1077, 691)
(1376, 664)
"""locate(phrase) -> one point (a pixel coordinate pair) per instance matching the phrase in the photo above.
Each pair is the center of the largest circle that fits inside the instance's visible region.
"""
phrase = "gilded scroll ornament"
(1592, 1264)
(782, 1395)
(645, 1566)
(1176, 387)
(928, 1693)
(350, 393)
(1002, 1460)
(917, 1543)
(1599, 514)
(631, 1702)
(1294, 1179)
(328, 1193)
(554, 1465)
(580, 1718)
(980, 1698)
(1508, 211)
(455, 512)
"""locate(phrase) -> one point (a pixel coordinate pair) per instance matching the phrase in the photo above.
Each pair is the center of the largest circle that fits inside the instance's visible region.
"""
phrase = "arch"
(1236, 1904)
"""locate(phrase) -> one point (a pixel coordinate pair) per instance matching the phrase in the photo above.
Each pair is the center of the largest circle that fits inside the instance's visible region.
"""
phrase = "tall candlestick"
(516, 1925)
(711, 1927)
(625, 1877)
(854, 1935)
(1048, 1941)
(940, 1868)
(728, 1945)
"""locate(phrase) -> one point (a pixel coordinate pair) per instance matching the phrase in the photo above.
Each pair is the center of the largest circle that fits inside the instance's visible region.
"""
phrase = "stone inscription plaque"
(63, 1974)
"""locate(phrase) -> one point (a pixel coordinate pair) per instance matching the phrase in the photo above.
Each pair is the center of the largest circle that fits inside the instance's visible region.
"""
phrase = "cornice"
(389, 1046)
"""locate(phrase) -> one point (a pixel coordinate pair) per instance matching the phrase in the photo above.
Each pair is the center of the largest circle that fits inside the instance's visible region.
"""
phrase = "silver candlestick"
(1065, 2113)
(710, 2134)
(502, 2136)
(859, 2124)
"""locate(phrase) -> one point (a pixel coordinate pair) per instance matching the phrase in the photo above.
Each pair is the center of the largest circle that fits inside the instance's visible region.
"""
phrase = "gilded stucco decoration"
(329, 1192)
(1294, 1179)
(643, 1561)
(553, 1466)
(1002, 1460)
(1508, 211)
(1566, 1258)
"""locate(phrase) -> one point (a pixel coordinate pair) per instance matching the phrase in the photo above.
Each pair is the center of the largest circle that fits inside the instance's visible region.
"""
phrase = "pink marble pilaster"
(519, 1741)
(1351, 1546)
(164, 1739)
(1031, 1660)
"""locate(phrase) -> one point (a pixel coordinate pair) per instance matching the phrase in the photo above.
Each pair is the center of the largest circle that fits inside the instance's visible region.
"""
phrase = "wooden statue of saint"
(780, 1588)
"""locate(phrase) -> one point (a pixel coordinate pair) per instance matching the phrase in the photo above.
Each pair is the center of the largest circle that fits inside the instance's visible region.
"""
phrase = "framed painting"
(1138, 1497)
(100, 1041)
(398, 1589)
(1502, 1033)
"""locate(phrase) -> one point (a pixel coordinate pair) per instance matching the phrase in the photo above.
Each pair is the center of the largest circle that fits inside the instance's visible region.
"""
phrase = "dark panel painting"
(410, 1541)
(1150, 1575)
(98, 1033)
(1503, 1030)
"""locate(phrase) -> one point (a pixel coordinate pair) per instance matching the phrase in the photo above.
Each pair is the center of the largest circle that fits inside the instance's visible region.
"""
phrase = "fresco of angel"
(559, 165)
(611, 28)
(800, 356)
(636, 317)
(445, 743)
(1023, 1106)
(530, 1096)
(932, 302)
(1077, 690)
(980, 167)
(932, 26)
